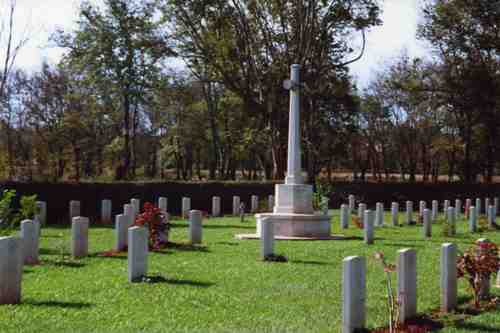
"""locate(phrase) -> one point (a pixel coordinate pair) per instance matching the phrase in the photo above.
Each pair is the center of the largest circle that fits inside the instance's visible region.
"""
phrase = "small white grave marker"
(80, 237)
(353, 294)
(448, 277)
(11, 270)
(407, 283)
(137, 253)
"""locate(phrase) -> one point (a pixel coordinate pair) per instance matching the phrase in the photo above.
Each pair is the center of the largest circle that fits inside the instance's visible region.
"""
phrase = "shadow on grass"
(63, 263)
(156, 279)
(227, 243)
(309, 262)
(473, 327)
(112, 254)
(59, 304)
(187, 247)
(403, 245)
(49, 252)
(228, 226)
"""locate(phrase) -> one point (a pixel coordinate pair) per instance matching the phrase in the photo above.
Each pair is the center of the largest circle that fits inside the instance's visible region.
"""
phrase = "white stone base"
(297, 225)
(293, 199)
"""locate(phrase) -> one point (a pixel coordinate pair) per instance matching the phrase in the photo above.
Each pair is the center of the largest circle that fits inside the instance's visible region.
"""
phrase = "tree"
(250, 45)
(119, 50)
(464, 36)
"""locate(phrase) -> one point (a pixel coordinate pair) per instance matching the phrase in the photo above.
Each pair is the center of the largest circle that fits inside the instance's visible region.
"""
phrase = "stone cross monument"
(293, 214)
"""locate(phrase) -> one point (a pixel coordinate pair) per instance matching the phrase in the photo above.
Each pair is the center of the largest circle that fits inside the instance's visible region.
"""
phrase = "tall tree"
(119, 48)
(249, 46)
(464, 37)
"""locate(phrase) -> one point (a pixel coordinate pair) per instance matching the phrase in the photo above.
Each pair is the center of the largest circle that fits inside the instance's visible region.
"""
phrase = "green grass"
(223, 286)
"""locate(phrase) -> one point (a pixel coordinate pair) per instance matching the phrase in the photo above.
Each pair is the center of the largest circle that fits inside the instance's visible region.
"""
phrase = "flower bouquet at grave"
(357, 221)
(477, 264)
(158, 225)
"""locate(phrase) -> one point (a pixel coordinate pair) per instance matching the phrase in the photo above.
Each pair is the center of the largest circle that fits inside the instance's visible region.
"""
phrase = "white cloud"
(398, 32)
(42, 17)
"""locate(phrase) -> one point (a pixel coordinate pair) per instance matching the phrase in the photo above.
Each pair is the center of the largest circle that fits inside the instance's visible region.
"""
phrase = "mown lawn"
(223, 286)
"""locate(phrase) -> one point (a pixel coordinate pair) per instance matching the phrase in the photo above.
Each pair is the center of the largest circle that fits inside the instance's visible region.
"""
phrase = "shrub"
(321, 195)
(9, 216)
(157, 224)
(477, 264)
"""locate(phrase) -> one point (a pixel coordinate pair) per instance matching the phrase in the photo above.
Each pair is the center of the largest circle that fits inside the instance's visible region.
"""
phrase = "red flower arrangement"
(478, 264)
(157, 223)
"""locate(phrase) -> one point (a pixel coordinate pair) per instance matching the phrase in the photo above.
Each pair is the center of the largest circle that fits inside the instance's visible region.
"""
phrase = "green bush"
(10, 217)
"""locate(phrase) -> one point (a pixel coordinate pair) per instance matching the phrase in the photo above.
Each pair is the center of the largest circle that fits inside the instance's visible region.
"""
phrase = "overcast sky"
(42, 17)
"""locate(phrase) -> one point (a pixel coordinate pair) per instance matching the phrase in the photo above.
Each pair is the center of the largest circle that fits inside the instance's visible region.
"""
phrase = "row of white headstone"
(17, 251)
(370, 221)
(106, 207)
(435, 207)
(490, 212)
(354, 286)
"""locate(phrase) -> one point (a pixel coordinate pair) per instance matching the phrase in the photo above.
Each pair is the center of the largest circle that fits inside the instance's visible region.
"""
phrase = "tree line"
(192, 90)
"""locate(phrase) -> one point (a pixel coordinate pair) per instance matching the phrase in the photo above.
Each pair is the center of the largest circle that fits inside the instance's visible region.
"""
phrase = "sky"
(40, 18)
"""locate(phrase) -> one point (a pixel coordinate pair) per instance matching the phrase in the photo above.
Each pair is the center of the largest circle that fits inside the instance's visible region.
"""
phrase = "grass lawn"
(222, 286)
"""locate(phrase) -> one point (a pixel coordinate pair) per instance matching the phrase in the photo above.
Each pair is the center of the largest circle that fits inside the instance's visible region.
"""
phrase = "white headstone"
(121, 230)
(216, 206)
(79, 237)
(254, 204)
(128, 210)
(379, 215)
(472, 219)
(450, 217)
(186, 207)
(352, 203)
(361, 212)
(270, 203)
(409, 212)
(137, 253)
(395, 214)
(448, 277)
(368, 226)
(136, 204)
(353, 294)
(195, 226)
(266, 237)
(236, 205)
(468, 204)
(30, 236)
(11, 270)
(435, 210)
(41, 207)
(407, 284)
(106, 211)
(74, 209)
(478, 207)
(458, 209)
(344, 216)
(495, 204)
(163, 204)
(445, 208)
(421, 207)
(426, 215)
(491, 216)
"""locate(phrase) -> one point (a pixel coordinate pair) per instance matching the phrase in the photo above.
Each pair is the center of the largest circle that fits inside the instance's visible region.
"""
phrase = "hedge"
(58, 195)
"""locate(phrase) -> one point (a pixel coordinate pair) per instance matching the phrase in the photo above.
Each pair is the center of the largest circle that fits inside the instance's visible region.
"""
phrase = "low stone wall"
(59, 195)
